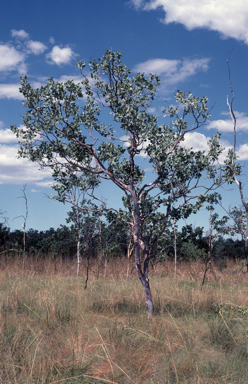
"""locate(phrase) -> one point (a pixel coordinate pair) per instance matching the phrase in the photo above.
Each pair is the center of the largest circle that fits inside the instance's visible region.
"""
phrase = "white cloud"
(10, 58)
(196, 140)
(10, 91)
(137, 3)
(243, 152)
(36, 47)
(199, 142)
(7, 136)
(14, 170)
(173, 72)
(21, 33)
(46, 183)
(226, 125)
(65, 78)
(158, 66)
(228, 17)
(60, 55)
(18, 171)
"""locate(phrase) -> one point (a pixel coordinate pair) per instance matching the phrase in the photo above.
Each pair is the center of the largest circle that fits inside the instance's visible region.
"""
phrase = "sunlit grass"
(52, 330)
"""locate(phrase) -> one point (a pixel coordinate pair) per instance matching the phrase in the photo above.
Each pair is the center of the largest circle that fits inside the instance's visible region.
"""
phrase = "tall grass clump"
(52, 330)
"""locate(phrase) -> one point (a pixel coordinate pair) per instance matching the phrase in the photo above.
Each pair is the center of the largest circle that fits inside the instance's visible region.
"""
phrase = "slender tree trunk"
(210, 252)
(146, 284)
(232, 167)
(78, 257)
(144, 279)
(148, 296)
(102, 255)
(175, 249)
(24, 247)
(246, 239)
(143, 275)
(129, 252)
(105, 268)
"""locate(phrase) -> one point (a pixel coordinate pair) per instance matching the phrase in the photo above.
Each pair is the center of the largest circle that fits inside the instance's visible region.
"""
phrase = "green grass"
(52, 330)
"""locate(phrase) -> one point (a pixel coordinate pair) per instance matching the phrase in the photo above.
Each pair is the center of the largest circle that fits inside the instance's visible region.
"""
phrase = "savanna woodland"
(199, 333)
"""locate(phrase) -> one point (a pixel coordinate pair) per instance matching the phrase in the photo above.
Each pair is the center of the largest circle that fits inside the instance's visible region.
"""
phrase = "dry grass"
(52, 330)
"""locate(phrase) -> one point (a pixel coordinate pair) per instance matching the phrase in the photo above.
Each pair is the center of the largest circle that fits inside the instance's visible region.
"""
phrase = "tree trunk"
(129, 252)
(144, 279)
(148, 296)
(105, 268)
(143, 275)
(246, 239)
(24, 248)
(175, 249)
(78, 257)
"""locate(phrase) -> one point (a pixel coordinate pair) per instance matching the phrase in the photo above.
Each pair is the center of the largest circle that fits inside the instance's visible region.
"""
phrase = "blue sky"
(186, 43)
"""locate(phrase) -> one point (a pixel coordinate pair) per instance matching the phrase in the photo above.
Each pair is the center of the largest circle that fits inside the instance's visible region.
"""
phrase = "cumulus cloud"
(199, 142)
(11, 59)
(65, 78)
(18, 171)
(60, 56)
(36, 47)
(22, 34)
(243, 152)
(226, 125)
(46, 183)
(10, 91)
(7, 136)
(173, 72)
(14, 170)
(230, 18)
(158, 66)
(196, 140)
(137, 3)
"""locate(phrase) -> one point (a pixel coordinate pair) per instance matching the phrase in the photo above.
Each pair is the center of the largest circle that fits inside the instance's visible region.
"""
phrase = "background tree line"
(108, 239)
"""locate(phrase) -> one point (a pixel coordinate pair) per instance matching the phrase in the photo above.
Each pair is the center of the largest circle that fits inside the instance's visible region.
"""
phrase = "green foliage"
(4, 235)
(228, 249)
(239, 221)
(232, 168)
(85, 227)
(222, 309)
(190, 251)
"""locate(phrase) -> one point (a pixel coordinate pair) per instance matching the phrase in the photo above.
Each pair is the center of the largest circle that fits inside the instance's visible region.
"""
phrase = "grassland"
(52, 330)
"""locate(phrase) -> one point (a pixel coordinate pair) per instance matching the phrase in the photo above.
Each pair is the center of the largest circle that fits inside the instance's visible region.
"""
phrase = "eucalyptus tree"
(62, 132)
(84, 217)
(217, 228)
(24, 196)
(239, 221)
